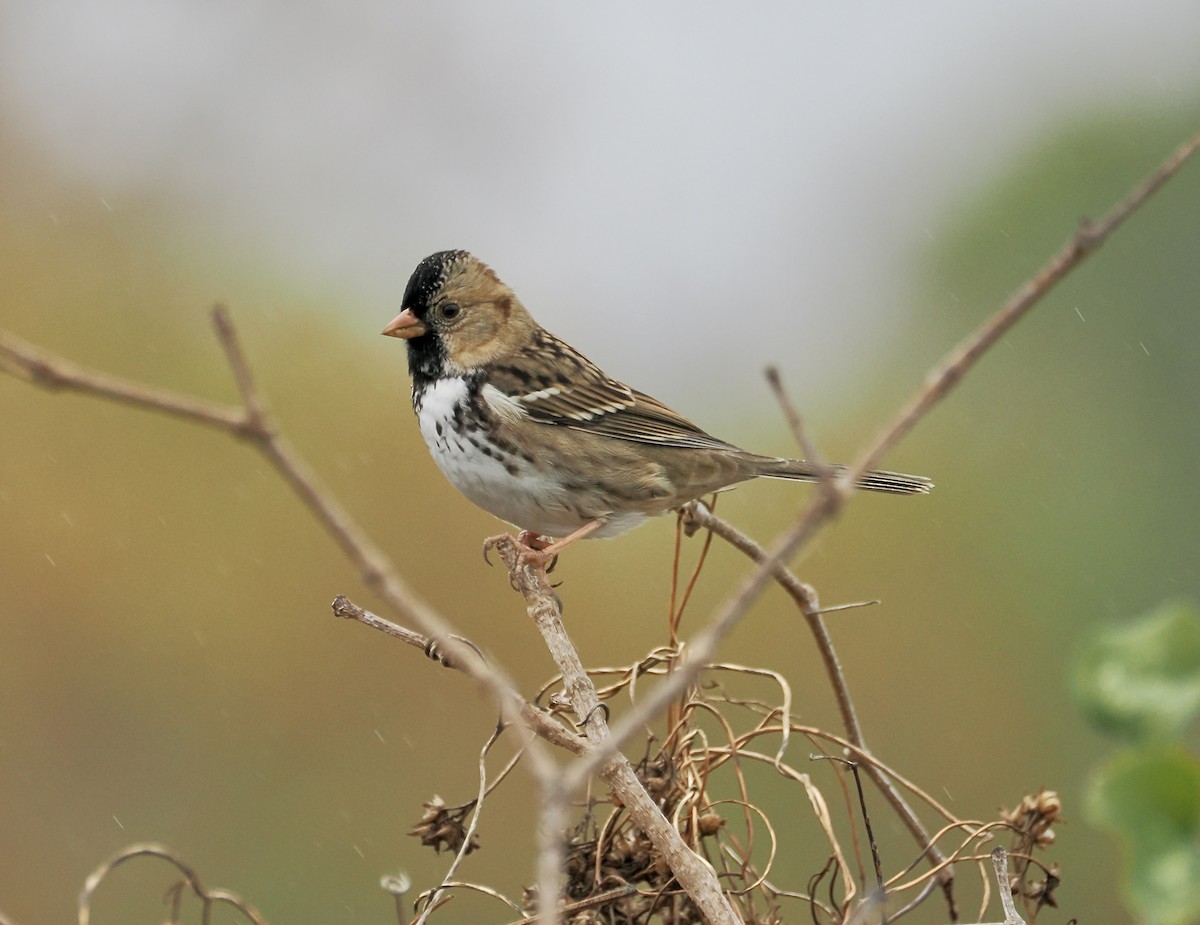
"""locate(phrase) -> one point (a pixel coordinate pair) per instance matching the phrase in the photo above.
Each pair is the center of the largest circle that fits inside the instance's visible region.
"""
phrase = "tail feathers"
(896, 483)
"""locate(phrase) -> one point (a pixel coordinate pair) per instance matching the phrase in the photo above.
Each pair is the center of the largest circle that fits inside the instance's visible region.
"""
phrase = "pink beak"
(405, 325)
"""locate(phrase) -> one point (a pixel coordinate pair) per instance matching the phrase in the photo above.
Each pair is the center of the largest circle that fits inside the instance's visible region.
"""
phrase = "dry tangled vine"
(614, 872)
(679, 838)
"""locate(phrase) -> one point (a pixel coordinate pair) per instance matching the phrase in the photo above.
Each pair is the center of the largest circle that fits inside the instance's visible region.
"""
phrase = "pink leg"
(586, 530)
(539, 551)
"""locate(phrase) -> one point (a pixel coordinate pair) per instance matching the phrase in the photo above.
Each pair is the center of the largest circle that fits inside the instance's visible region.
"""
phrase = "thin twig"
(796, 425)
(475, 888)
(48, 371)
(38, 367)
(348, 610)
(880, 889)
(1000, 862)
(916, 901)
(536, 720)
(256, 414)
(806, 599)
(950, 371)
(253, 423)
(582, 905)
(553, 817)
(469, 835)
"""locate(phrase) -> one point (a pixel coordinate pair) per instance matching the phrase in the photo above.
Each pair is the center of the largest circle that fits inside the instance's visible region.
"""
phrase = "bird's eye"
(451, 310)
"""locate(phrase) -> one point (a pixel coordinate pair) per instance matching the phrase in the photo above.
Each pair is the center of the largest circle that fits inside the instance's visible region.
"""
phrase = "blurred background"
(687, 192)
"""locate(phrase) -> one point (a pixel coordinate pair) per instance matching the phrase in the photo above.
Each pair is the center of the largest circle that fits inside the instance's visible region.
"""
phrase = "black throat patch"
(427, 353)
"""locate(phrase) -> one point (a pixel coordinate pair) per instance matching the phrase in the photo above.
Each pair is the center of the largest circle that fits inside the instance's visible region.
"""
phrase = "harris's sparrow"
(535, 433)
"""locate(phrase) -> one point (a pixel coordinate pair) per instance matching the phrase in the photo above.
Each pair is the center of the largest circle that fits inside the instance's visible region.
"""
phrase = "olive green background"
(171, 671)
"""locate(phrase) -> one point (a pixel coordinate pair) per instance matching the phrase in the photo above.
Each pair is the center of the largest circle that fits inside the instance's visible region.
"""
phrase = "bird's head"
(458, 316)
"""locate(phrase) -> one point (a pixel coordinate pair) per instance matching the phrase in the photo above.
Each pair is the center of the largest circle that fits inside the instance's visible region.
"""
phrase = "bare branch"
(38, 367)
(796, 425)
(947, 374)
(592, 902)
(254, 424)
(600, 753)
(1000, 862)
(348, 610)
(256, 416)
(827, 504)
(806, 599)
(693, 873)
(536, 720)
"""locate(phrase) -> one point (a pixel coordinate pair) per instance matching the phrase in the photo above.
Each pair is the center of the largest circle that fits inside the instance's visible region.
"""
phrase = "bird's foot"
(533, 540)
(533, 551)
(528, 546)
(537, 550)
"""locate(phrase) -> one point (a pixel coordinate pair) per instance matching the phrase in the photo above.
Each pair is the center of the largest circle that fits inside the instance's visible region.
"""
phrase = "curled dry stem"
(189, 879)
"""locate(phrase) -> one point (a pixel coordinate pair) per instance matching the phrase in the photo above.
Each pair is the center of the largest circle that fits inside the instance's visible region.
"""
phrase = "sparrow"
(535, 433)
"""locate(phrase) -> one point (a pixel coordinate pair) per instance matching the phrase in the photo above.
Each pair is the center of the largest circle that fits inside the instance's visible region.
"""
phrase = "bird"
(535, 433)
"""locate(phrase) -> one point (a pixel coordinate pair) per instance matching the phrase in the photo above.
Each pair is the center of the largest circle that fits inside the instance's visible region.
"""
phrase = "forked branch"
(252, 422)
(937, 385)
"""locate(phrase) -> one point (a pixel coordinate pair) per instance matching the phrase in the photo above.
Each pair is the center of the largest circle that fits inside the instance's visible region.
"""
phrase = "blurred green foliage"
(1150, 797)
(1140, 682)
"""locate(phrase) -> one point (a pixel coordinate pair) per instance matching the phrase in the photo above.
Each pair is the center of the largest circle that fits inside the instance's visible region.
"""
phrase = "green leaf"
(1151, 799)
(1141, 680)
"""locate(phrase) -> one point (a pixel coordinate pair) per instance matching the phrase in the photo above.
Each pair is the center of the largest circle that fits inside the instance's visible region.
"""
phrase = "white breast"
(438, 403)
(524, 493)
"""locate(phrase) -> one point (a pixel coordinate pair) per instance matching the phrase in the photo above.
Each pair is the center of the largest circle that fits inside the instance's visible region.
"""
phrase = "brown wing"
(556, 384)
(647, 420)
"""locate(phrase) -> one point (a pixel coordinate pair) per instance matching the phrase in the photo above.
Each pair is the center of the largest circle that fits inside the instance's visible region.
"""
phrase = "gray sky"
(650, 177)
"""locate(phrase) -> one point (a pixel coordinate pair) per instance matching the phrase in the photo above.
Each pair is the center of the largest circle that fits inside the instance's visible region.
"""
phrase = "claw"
(490, 543)
(538, 550)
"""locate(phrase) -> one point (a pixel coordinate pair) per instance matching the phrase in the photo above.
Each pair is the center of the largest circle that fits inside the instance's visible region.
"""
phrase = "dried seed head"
(443, 828)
